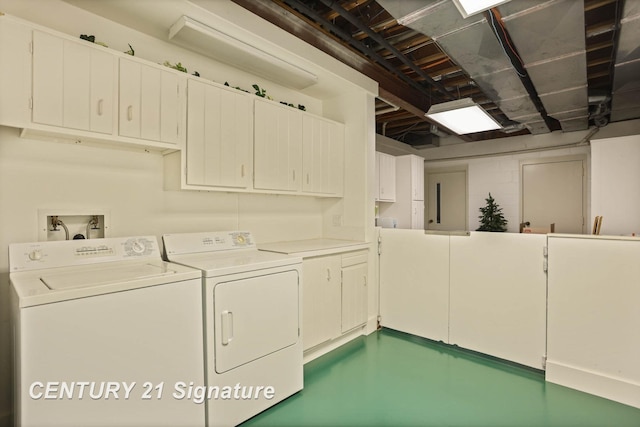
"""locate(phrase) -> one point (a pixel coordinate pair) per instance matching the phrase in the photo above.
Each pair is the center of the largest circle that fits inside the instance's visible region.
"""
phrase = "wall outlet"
(337, 220)
(63, 224)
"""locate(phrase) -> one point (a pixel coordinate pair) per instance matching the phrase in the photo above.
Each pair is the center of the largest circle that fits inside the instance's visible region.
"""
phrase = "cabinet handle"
(294, 175)
(242, 171)
(365, 280)
(130, 112)
(328, 274)
(100, 104)
(307, 178)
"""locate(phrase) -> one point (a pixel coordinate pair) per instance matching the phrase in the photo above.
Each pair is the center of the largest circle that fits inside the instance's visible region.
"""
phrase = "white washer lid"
(102, 276)
(66, 283)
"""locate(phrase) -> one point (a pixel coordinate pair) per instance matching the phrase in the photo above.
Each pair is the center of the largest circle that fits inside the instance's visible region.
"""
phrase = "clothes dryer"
(252, 311)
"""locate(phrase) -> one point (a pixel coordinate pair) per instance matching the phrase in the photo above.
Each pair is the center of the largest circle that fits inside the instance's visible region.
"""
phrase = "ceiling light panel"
(471, 7)
(462, 116)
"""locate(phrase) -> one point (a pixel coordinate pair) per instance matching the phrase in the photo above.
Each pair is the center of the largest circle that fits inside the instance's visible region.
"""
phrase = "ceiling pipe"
(504, 38)
(387, 110)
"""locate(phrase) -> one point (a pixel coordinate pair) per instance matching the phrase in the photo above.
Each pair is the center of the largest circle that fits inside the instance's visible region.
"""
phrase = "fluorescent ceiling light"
(462, 116)
(216, 44)
(471, 7)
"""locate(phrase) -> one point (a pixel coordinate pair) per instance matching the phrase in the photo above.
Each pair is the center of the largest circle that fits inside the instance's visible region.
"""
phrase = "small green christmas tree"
(492, 218)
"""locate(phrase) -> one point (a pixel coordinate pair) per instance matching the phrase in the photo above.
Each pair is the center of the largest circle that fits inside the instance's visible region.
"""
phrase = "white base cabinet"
(354, 290)
(320, 300)
(334, 296)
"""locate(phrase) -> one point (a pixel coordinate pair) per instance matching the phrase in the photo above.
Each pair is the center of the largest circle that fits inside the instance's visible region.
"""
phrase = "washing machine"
(104, 333)
(252, 311)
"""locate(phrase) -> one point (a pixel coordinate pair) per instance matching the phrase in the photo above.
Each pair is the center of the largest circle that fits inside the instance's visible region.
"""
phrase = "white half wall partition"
(498, 295)
(414, 283)
(593, 335)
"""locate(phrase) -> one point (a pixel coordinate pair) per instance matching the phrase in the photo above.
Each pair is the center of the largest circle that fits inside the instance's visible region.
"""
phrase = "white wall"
(615, 190)
(500, 176)
(38, 174)
(494, 167)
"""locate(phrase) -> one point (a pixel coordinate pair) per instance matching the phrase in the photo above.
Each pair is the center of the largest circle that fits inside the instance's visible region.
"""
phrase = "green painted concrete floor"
(394, 379)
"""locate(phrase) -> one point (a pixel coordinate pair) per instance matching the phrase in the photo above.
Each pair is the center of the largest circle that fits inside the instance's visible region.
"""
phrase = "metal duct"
(550, 37)
(625, 102)
(472, 44)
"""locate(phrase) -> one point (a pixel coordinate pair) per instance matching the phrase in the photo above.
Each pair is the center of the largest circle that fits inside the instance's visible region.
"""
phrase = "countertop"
(314, 247)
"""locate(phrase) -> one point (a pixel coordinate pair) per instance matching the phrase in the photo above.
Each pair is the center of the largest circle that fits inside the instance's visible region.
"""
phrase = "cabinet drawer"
(353, 258)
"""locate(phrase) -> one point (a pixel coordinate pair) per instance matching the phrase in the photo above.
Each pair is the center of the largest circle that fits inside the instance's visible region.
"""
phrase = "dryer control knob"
(35, 255)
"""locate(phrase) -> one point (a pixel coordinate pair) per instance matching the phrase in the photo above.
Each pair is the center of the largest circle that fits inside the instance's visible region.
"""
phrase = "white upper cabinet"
(152, 102)
(386, 177)
(219, 132)
(15, 72)
(322, 156)
(277, 147)
(73, 84)
(417, 178)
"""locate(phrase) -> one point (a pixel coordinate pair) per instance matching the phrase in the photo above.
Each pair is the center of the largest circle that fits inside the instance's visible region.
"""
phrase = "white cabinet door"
(312, 138)
(335, 169)
(417, 178)
(277, 147)
(354, 290)
(15, 72)
(321, 300)
(387, 177)
(152, 102)
(72, 84)
(219, 136)
(417, 214)
(322, 156)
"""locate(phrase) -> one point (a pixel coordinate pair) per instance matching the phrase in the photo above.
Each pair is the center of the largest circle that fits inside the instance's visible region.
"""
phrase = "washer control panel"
(37, 255)
(188, 243)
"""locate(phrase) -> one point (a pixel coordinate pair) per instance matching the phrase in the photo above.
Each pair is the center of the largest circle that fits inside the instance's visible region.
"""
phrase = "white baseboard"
(324, 348)
(596, 383)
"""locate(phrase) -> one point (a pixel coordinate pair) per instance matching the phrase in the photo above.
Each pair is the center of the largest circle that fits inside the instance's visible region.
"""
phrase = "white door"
(553, 192)
(447, 201)
(253, 317)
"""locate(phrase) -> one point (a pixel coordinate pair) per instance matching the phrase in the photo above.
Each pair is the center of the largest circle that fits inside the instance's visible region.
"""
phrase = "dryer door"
(254, 317)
